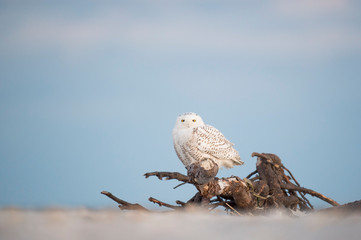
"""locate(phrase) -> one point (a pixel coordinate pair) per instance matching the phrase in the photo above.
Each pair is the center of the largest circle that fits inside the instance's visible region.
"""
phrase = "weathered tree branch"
(168, 176)
(291, 186)
(251, 174)
(123, 204)
(161, 204)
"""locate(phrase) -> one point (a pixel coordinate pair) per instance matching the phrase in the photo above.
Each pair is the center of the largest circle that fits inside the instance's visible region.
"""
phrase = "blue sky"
(90, 91)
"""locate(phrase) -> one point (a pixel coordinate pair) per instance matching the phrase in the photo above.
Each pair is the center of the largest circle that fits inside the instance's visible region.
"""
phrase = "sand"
(89, 224)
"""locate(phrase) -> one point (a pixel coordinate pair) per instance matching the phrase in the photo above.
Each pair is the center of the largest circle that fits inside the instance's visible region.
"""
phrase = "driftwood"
(123, 205)
(346, 209)
(270, 186)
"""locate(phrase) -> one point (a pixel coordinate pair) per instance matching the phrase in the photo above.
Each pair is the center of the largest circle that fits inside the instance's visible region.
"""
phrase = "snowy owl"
(195, 141)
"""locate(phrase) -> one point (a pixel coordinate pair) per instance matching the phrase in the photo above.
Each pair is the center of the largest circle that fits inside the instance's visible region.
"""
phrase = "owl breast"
(180, 139)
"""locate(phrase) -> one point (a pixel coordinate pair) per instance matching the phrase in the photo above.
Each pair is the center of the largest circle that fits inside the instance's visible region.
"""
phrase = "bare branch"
(179, 185)
(180, 203)
(163, 204)
(124, 205)
(291, 186)
(168, 176)
(251, 174)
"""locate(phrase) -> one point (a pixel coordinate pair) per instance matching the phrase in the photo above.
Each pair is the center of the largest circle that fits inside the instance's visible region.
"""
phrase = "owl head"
(189, 120)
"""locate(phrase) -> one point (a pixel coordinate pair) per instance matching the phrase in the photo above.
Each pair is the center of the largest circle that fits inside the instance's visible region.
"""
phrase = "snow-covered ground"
(115, 224)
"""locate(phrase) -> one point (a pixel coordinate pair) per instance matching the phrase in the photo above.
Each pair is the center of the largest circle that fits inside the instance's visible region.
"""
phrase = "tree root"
(269, 188)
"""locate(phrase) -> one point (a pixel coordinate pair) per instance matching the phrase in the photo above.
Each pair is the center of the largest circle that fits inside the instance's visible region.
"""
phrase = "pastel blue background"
(89, 94)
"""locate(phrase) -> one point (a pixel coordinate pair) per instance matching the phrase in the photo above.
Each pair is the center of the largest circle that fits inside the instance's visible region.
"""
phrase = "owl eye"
(193, 120)
(182, 120)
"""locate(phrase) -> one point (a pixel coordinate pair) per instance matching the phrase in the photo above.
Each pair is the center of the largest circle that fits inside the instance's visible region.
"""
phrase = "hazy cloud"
(181, 30)
(309, 8)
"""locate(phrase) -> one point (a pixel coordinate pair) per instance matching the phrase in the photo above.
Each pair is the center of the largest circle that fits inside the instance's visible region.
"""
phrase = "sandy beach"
(89, 224)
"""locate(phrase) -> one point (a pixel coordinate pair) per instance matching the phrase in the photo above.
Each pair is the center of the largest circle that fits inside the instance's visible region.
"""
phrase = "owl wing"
(212, 142)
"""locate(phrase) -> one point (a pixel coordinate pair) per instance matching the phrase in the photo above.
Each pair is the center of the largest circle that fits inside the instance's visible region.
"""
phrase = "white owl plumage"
(195, 141)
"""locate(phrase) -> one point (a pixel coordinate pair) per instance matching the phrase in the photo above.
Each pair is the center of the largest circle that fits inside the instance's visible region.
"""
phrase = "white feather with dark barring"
(195, 141)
